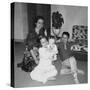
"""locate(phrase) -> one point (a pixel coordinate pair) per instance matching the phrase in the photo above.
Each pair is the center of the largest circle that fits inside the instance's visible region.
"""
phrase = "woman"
(31, 58)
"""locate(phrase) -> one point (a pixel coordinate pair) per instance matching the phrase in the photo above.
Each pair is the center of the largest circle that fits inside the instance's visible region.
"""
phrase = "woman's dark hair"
(36, 19)
(66, 33)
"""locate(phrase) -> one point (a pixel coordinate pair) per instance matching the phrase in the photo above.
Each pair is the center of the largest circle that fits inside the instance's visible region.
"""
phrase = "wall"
(23, 18)
(73, 15)
(20, 22)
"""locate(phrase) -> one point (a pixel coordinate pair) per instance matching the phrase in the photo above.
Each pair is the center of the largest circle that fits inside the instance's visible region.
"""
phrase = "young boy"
(66, 55)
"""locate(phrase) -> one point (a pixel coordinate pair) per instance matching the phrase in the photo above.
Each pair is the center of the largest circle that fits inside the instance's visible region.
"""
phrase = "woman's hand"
(27, 53)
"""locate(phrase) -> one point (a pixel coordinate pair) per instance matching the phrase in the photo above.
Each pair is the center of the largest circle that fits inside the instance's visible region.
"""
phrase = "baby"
(53, 48)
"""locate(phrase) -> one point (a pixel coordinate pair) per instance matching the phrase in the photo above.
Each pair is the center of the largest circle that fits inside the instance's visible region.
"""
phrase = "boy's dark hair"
(66, 33)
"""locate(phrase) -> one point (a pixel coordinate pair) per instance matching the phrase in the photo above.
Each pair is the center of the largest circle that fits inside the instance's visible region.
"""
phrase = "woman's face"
(40, 23)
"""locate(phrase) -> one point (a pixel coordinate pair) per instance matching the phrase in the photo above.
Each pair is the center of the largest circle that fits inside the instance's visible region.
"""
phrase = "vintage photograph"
(49, 44)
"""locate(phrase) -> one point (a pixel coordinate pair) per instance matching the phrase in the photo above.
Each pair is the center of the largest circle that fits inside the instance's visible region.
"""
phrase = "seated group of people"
(41, 52)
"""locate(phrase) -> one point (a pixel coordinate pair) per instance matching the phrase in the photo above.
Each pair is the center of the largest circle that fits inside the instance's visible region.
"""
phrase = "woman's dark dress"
(28, 63)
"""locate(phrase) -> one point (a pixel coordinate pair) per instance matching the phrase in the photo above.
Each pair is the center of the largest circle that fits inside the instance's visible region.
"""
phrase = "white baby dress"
(45, 68)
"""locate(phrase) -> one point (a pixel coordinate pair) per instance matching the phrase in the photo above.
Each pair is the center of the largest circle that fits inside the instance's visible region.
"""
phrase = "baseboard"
(19, 40)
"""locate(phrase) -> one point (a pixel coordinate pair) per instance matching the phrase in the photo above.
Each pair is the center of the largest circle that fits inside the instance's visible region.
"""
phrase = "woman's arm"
(33, 55)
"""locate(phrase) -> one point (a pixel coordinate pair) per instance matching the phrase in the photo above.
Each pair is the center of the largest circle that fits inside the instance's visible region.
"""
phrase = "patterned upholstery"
(80, 34)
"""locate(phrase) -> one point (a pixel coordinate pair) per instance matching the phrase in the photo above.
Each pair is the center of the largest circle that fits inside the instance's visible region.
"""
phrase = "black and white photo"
(49, 44)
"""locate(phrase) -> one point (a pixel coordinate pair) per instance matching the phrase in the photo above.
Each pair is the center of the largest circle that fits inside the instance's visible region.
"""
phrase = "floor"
(22, 79)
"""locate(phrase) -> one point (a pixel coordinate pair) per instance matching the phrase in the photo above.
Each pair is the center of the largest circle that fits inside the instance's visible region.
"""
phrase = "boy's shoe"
(80, 71)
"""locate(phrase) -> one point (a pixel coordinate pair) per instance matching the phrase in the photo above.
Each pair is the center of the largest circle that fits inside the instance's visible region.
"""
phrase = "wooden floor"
(22, 79)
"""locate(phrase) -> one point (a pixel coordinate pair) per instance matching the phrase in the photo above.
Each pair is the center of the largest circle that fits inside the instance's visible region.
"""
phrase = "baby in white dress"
(45, 69)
